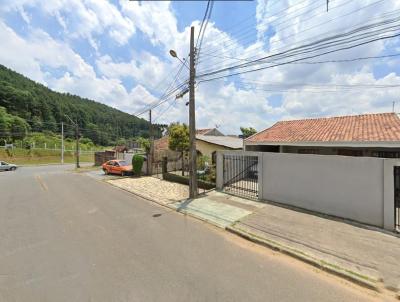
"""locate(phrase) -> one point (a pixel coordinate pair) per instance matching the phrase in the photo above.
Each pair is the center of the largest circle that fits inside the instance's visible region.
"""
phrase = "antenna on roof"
(394, 103)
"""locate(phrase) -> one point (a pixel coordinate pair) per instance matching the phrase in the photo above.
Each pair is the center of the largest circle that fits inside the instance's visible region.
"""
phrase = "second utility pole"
(62, 142)
(192, 122)
(150, 155)
(77, 144)
(77, 135)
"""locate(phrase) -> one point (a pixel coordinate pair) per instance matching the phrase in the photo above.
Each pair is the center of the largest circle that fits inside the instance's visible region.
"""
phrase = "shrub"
(137, 163)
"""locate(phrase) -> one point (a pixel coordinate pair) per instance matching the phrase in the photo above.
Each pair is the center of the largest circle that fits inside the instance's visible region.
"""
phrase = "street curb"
(166, 205)
(184, 212)
(356, 278)
(364, 281)
(50, 164)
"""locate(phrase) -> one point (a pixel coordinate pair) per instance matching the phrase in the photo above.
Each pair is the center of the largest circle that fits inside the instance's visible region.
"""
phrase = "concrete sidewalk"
(217, 208)
(368, 254)
(365, 255)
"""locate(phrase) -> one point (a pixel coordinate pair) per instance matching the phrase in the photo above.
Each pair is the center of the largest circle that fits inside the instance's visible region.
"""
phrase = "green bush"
(137, 163)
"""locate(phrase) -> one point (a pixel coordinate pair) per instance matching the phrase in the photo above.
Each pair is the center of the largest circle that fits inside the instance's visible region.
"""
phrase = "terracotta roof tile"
(362, 128)
(161, 143)
(203, 131)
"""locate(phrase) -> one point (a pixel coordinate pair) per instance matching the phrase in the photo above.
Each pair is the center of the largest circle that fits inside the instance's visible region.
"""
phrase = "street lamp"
(192, 118)
(175, 55)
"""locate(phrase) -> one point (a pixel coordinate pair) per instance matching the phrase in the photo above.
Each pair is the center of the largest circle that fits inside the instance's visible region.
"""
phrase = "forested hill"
(44, 109)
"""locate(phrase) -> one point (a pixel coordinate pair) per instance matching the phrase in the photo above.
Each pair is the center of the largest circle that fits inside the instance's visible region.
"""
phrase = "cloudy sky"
(116, 52)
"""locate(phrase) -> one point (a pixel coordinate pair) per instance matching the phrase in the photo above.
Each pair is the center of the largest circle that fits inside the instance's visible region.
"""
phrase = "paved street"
(69, 237)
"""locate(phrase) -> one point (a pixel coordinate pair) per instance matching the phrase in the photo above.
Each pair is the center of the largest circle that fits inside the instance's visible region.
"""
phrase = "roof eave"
(381, 144)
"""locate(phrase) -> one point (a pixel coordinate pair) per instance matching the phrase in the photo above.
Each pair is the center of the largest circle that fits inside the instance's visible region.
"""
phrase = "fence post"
(260, 177)
(219, 183)
(388, 194)
(164, 165)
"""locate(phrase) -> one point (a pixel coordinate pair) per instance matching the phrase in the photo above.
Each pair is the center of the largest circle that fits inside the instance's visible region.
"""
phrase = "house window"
(386, 154)
(308, 151)
(214, 157)
(350, 152)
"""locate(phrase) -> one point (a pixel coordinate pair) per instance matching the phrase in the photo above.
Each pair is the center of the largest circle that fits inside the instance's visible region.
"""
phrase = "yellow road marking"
(41, 182)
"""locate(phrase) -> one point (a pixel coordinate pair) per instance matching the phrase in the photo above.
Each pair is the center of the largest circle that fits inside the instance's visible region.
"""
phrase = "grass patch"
(21, 156)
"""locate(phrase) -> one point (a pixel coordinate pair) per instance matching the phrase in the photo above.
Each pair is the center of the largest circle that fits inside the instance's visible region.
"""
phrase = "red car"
(115, 166)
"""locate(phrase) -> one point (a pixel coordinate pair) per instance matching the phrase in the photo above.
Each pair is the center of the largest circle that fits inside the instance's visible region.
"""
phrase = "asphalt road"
(69, 237)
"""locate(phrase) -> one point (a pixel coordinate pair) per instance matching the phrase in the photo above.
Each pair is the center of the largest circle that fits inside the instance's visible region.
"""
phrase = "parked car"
(115, 166)
(7, 166)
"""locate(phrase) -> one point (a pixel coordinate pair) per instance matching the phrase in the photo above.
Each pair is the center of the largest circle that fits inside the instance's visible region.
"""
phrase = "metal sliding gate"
(397, 198)
(241, 175)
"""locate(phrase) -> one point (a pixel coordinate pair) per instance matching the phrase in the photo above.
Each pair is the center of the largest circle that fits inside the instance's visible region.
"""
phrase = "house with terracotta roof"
(375, 135)
(209, 131)
(208, 142)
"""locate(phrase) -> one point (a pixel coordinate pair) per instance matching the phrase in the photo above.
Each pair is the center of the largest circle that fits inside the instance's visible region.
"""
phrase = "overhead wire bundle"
(386, 29)
(170, 93)
(380, 28)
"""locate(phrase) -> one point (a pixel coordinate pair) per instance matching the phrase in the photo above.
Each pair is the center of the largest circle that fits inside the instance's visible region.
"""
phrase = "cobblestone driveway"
(153, 188)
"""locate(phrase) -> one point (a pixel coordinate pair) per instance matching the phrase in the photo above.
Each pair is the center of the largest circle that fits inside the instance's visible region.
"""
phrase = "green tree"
(179, 139)
(144, 143)
(137, 164)
(45, 109)
(4, 124)
(19, 128)
(246, 132)
(121, 142)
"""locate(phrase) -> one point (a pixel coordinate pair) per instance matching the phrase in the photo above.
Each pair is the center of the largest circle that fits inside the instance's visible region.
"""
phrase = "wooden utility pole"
(77, 144)
(192, 122)
(150, 155)
(77, 139)
(62, 142)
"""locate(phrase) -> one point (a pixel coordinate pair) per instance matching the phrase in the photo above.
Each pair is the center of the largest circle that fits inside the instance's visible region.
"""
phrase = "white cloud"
(227, 103)
(154, 19)
(82, 19)
(33, 55)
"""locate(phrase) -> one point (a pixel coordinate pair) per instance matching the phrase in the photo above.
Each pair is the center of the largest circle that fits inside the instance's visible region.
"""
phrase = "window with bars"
(386, 154)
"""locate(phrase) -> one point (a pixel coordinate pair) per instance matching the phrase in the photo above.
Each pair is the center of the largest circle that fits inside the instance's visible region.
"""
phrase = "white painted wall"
(357, 188)
(347, 187)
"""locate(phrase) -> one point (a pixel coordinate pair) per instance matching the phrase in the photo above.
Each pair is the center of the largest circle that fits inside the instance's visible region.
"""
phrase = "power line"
(164, 99)
(167, 93)
(326, 61)
(310, 39)
(166, 110)
(325, 43)
(309, 57)
(273, 24)
(200, 37)
(202, 22)
(318, 26)
(250, 29)
(364, 86)
(252, 15)
(203, 27)
(307, 89)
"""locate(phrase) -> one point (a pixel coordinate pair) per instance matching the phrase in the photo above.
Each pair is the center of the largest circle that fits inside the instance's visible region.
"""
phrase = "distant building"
(210, 131)
(208, 145)
(208, 141)
(376, 135)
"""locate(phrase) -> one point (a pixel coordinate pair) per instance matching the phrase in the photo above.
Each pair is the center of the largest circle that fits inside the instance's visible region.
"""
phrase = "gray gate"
(241, 175)
(397, 198)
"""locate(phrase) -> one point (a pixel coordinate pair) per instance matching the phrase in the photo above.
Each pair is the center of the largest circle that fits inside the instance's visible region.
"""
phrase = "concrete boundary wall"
(356, 188)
